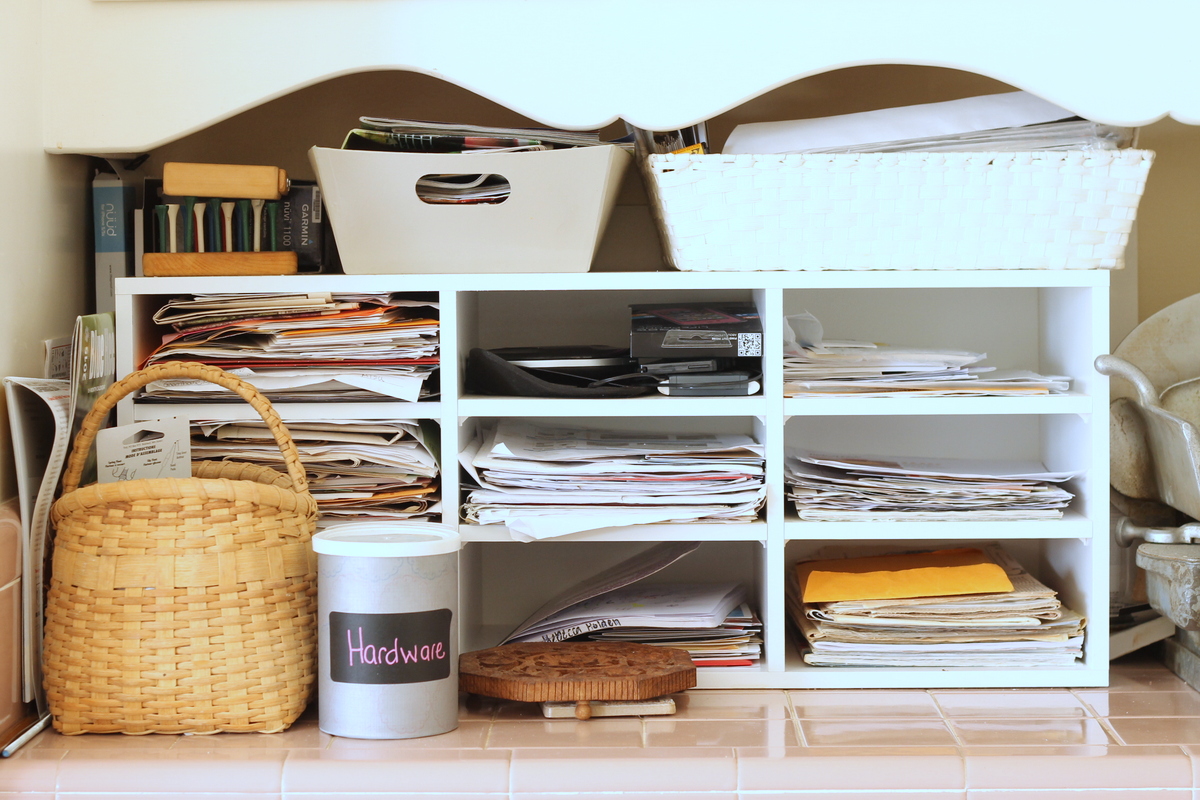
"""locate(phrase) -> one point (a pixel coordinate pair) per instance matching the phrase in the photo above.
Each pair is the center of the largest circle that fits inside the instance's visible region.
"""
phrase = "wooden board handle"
(231, 181)
(283, 262)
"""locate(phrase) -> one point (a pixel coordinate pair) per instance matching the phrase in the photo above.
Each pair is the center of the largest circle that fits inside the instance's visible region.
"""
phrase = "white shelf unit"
(1052, 322)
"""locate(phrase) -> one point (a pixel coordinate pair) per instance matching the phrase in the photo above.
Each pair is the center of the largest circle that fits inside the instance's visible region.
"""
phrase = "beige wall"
(1169, 217)
(42, 263)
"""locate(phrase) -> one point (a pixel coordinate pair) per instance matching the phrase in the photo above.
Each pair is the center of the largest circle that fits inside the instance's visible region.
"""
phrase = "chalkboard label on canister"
(389, 648)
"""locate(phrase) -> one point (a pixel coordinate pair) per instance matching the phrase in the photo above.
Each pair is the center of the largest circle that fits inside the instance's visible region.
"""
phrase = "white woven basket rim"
(915, 157)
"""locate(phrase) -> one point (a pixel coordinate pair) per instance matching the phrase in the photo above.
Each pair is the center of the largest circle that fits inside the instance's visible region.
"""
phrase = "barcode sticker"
(749, 344)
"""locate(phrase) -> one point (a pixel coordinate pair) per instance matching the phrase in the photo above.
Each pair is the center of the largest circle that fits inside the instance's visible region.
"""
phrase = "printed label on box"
(389, 648)
(158, 448)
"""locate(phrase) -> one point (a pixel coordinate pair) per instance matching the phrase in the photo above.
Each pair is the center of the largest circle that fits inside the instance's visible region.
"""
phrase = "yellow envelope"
(964, 570)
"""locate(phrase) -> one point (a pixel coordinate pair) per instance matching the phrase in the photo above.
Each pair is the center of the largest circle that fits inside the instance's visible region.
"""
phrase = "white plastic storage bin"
(944, 211)
(552, 220)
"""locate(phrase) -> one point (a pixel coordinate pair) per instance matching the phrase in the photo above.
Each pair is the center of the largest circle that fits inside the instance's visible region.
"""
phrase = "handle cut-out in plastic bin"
(440, 189)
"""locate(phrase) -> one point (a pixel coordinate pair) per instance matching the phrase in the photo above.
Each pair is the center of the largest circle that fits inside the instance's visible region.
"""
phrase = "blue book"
(112, 220)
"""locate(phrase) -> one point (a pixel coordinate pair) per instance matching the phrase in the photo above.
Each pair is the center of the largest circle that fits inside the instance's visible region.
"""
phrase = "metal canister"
(387, 597)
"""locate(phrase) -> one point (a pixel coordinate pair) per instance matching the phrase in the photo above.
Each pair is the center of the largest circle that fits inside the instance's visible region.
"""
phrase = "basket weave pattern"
(182, 605)
(899, 211)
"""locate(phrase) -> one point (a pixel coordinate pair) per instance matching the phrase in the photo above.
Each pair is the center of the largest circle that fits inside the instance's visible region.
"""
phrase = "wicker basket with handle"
(182, 605)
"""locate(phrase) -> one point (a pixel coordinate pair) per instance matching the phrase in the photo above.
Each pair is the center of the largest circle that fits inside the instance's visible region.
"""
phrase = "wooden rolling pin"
(234, 181)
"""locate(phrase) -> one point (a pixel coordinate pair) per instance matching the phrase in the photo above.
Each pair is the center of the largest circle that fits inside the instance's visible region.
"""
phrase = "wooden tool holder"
(231, 182)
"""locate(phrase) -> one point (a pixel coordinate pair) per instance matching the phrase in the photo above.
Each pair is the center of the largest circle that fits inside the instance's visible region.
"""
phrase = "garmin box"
(695, 330)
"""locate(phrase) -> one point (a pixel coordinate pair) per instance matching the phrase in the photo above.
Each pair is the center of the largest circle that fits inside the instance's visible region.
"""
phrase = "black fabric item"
(488, 373)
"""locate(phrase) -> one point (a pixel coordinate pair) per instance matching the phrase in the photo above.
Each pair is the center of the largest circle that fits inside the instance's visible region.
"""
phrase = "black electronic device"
(591, 361)
(686, 367)
(712, 384)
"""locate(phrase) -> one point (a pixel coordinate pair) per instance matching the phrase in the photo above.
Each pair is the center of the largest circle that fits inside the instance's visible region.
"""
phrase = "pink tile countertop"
(1139, 739)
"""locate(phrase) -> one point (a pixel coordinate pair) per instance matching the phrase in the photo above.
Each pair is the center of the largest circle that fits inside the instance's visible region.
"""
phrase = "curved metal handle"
(1115, 365)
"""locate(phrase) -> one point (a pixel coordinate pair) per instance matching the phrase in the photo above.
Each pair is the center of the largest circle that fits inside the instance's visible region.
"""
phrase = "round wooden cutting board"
(536, 672)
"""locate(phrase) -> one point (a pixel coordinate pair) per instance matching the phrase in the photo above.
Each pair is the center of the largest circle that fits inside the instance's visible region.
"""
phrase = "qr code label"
(749, 344)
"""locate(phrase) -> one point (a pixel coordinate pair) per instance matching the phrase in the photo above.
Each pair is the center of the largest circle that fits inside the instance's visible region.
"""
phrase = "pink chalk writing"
(382, 654)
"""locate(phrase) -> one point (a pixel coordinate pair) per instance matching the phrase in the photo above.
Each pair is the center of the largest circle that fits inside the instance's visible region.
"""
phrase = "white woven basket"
(900, 211)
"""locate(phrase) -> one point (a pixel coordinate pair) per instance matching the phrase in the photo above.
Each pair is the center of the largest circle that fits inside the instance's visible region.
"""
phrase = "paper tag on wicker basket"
(160, 448)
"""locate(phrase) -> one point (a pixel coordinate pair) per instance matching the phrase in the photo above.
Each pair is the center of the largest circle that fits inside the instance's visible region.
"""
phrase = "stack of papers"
(301, 346)
(689, 606)
(381, 470)
(737, 642)
(712, 622)
(1004, 122)
(932, 610)
(550, 481)
(814, 366)
(869, 488)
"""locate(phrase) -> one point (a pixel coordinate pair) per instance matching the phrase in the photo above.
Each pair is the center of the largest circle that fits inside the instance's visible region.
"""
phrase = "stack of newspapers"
(864, 488)
(544, 481)
(378, 470)
(301, 346)
(990, 612)
(815, 366)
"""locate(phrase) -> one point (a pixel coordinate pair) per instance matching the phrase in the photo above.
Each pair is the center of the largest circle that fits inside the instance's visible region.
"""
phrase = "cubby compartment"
(1062, 443)
(1050, 330)
(503, 583)
(1076, 569)
(475, 427)
(141, 335)
(555, 318)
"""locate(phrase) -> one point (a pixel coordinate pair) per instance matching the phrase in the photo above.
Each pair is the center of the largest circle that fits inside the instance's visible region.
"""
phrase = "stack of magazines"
(961, 607)
(418, 136)
(545, 481)
(871, 488)
(736, 642)
(712, 621)
(301, 346)
(381, 470)
(815, 366)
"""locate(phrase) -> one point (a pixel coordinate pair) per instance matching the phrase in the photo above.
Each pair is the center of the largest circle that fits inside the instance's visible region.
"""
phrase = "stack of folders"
(545, 481)
(870, 488)
(963, 607)
(382, 470)
(814, 366)
(301, 346)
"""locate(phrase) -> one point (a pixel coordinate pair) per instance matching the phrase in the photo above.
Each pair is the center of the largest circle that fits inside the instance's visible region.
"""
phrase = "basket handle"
(181, 369)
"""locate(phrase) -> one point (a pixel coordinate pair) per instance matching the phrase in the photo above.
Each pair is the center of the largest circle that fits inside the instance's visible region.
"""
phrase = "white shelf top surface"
(620, 281)
(583, 65)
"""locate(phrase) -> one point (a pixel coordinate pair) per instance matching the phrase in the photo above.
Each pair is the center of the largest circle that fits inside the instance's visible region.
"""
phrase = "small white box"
(552, 221)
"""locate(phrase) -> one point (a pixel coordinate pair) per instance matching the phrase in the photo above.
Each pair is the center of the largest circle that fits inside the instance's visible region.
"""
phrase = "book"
(112, 222)
(302, 225)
